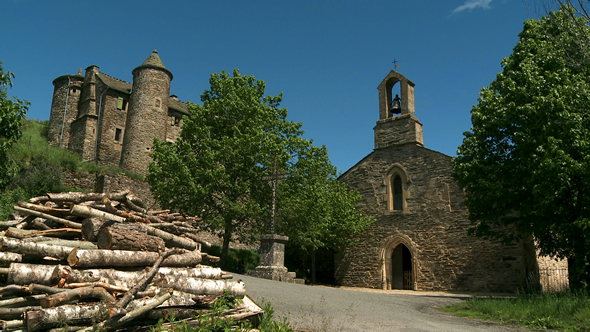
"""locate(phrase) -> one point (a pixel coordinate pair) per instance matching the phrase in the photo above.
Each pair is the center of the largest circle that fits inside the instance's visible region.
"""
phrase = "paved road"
(318, 308)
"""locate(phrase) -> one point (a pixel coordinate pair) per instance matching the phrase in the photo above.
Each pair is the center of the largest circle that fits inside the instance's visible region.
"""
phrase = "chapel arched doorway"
(402, 274)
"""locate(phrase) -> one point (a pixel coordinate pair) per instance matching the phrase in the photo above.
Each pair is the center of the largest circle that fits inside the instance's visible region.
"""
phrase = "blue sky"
(327, 57)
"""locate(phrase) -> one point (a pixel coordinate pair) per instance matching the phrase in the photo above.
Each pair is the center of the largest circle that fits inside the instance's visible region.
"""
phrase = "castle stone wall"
(112, 122)
(64, 109)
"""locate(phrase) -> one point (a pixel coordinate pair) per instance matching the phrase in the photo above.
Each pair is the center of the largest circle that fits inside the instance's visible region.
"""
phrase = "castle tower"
(84, 129)
(64, 108)
(148, 113)
(394, 129)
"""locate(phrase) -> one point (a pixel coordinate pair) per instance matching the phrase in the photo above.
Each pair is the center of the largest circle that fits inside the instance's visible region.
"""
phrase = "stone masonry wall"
(112, 119)
(433, 226)
(67, 91)
(146, 118)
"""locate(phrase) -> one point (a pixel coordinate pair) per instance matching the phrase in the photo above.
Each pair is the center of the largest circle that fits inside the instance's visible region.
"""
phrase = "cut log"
(122, 214)
(91, 227)
(9, 257)
(43, 289)
(34, 249)
(78, 197)
(123, 239)
(109, 287)
(10, 223)
(60, 232)
(171, 239)
(24, 274)
(63, 221)
(126, 258)
(131, 315)
(12, 324)
(89, 212)
(199, 286)
(142, 282)
(129, 278)
(64, 243)
(76, 294)
(39, 223)
(45, 209)
(197, 239)
(41, 319)
(14, 313)
(22, 301)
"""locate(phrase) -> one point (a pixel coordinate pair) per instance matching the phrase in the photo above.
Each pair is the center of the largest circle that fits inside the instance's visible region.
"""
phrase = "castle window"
(175, 121)
(121, 104)
(74, 90)
(158, 103)
(118, 132)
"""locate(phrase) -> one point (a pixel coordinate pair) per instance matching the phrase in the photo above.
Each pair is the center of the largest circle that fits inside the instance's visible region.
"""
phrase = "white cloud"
(473, 4)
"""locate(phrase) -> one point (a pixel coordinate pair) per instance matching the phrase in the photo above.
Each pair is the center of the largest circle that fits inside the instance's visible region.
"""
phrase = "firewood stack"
(107, 260)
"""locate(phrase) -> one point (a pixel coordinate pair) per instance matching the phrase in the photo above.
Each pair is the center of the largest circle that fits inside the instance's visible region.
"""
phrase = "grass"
(567, 311)
(39, 167)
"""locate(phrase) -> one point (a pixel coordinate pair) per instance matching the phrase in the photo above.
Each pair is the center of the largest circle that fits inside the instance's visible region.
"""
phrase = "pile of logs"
(83, 260)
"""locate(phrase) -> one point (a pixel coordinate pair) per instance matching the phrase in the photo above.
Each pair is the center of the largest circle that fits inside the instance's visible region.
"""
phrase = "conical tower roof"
(153, 61)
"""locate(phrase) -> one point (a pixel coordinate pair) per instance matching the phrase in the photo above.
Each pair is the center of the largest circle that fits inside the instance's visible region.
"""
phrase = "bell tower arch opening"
(396, 96)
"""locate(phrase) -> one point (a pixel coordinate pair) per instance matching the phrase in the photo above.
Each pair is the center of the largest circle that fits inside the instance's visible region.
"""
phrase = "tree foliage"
(12, 113)
(317, 210)
(525, 163)
(226, 148)
(222, 165)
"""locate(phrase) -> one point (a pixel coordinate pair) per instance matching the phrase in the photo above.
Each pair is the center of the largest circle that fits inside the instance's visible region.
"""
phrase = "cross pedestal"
(272, 260)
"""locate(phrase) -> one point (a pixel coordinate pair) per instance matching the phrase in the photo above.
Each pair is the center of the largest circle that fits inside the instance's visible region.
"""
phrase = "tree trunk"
(313, 266)
(226, 240)
(122, 239)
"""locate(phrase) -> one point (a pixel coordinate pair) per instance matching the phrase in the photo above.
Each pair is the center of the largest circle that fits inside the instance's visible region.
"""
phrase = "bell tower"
(397, 123)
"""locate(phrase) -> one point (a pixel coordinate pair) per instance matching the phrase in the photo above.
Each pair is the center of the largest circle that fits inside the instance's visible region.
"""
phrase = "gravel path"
(318, 308)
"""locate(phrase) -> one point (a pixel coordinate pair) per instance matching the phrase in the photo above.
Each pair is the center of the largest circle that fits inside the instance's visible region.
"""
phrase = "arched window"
(396, 180)
(398, 194)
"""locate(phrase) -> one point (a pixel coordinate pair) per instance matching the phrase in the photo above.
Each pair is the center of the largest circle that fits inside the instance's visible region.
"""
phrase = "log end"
(73, 260)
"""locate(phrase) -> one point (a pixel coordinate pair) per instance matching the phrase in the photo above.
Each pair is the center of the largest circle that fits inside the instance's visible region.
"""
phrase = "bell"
(396, 107)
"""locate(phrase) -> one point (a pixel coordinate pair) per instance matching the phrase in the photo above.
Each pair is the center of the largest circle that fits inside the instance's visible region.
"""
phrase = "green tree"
(12, 113)
(226, 150)
(525, 164)
(317, 210)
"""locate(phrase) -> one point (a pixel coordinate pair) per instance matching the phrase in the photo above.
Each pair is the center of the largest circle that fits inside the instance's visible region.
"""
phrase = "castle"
(420, 240)
(113, 122)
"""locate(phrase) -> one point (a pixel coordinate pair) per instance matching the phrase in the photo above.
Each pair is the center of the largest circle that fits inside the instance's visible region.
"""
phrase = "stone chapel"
(419, 240)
